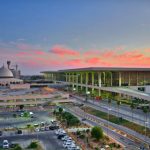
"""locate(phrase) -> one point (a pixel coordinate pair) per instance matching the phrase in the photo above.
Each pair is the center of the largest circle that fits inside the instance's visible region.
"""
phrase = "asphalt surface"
(7, 120)
(124, 111)
(128, 142)
(48, 138)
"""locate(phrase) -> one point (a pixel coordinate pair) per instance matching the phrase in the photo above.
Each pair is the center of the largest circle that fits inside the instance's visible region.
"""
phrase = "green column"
(119, 78)
(99, 79)
(86, 81)
(92, 82)
(111, 78)
(81, 80)
(76, 81)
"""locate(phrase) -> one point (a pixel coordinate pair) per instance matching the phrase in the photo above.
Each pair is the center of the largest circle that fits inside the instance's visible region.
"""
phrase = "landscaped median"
(84, 135)
(133, 126)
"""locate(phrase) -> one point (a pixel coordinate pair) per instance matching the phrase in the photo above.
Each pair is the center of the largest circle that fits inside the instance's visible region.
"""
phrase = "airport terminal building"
(128, 81)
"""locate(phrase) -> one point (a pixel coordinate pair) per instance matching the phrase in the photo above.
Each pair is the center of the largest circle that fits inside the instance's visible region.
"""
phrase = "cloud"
(94, 60)
(63, 51)
(33, 56)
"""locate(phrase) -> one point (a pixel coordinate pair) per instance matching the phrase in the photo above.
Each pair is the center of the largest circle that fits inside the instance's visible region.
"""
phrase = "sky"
(41, 35)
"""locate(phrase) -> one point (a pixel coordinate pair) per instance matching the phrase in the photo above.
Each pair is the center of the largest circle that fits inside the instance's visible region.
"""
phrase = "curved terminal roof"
(5, 73)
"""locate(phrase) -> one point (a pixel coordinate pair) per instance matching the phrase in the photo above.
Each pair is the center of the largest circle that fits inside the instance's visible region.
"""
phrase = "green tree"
(97, 133)
(33, 145)
(26, 114)
(17, 147)
(14, 115)
(21, 107)
(60, 110)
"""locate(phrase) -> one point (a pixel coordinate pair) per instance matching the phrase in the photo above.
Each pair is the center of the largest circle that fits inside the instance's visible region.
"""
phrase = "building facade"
(96, 79)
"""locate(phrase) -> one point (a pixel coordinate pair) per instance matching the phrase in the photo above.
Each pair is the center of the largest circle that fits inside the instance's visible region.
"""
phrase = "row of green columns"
(75, 80)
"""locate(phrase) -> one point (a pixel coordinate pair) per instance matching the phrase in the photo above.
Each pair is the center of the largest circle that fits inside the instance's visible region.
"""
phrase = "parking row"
(68, 142)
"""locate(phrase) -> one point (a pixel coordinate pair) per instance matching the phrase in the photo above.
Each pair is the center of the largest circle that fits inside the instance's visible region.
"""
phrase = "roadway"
(94, 121)
(124, 110)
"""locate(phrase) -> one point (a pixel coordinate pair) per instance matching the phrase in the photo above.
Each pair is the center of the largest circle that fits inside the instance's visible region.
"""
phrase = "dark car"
(61, 136)
(53, 127)
(19, 132)
(13, 145)
(1, 133)
(83, 119)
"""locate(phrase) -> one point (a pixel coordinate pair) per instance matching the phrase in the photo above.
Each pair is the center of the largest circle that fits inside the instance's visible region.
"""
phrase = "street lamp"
(87, 93)
(145, 127)
(109, 109)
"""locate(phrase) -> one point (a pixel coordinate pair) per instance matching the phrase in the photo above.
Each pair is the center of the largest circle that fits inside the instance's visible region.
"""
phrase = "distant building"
(11, 78)
(7, 77)
(15, 71)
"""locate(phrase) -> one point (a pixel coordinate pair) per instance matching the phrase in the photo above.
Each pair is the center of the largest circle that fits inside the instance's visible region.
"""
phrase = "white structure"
(7, 78)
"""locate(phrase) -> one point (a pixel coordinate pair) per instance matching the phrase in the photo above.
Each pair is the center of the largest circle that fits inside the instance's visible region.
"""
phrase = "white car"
(71, 147)
(65, 138)
(78, 148)
(59, 131)
(42, 129)
(69, 141)
(5, 144)
(67, 144)
(31, 113)
(37, 129)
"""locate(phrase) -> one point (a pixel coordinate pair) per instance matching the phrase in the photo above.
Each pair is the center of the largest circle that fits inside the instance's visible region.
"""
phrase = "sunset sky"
(43, 35)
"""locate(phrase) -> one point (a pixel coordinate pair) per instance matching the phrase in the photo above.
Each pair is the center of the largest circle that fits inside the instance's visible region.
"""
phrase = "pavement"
(48, 138)
(7, 121)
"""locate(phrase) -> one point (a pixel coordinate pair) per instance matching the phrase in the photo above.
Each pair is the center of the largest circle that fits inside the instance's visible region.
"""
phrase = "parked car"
(42, 124)
(77, 148)
(83, 119)
(5, 144)
(1, 133)
(53, 127)
(47, 128)
(60, 136)
(42, 129)
(19, 132)
(65, 138)
(36, 129)
(71, 147)
(59, 131)
(68, 144)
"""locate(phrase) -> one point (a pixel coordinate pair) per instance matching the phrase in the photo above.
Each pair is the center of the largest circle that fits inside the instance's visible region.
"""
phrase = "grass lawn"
(114, 119)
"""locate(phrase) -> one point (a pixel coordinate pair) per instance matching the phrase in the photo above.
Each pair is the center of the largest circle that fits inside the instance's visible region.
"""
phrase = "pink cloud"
(62, 51)
(93, 60)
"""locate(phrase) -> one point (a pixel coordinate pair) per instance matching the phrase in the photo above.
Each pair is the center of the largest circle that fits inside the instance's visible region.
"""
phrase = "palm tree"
(132, 106)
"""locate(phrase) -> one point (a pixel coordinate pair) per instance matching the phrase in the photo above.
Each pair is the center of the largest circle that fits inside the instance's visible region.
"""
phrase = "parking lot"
(48, 138)
(44, 129)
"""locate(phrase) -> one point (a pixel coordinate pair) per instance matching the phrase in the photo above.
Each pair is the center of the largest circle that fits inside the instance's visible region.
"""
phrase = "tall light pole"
(109, 109)
(87, 93)
(145, 128)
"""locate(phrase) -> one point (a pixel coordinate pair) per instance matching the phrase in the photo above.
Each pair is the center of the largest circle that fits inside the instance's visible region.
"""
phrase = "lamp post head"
(88, 92)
